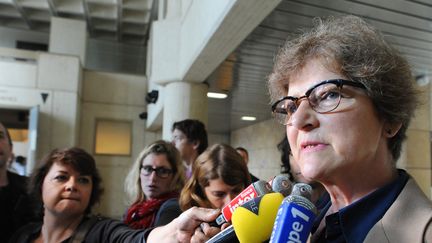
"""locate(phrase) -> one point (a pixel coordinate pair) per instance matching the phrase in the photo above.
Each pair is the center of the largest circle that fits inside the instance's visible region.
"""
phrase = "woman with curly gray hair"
(347, 97)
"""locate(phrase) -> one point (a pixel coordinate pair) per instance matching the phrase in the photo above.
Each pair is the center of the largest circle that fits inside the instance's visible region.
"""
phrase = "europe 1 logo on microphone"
(295, 217)
(298, 222)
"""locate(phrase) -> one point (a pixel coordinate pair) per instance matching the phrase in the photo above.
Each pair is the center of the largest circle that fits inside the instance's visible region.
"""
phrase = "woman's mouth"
(71, 198)
(312, 146)
(152, 187)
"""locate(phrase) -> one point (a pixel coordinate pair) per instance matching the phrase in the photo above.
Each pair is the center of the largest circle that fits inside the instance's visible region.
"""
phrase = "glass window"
(113, 137)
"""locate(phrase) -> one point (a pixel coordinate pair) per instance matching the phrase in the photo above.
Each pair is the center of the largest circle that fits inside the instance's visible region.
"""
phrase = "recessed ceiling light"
(248, 118)
(216, 95)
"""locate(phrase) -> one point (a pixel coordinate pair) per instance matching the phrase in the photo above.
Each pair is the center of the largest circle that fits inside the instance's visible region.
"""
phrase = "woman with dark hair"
(218, 175)
(153, 186)
(55, 169)
(68, 184)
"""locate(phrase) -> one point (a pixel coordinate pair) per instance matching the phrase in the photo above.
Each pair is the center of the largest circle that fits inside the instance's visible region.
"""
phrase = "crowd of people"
(321, 84)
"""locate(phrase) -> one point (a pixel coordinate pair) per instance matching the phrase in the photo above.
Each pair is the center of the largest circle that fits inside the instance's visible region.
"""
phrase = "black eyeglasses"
(162, 172)
(322, 97)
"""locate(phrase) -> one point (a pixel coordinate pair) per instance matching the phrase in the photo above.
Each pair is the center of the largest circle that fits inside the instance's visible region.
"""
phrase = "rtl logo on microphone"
(243, 197)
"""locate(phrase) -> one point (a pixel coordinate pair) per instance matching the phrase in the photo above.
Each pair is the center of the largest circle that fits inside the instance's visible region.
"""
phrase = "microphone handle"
(225, 236)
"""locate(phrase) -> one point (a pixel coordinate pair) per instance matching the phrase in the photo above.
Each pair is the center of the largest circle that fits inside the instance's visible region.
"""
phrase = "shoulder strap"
(83, 228)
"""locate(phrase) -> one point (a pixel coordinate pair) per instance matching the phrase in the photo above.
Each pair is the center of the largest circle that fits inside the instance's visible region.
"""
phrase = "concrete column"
(189, 41)
(184, 100)
(68, 37)
(173, 9)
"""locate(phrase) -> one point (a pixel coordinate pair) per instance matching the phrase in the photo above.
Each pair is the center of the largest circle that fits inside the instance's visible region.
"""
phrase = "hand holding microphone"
(295, 216)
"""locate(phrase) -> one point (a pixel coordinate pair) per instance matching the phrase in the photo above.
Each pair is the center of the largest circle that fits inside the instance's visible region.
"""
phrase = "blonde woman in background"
(218, 175)
(153, 185)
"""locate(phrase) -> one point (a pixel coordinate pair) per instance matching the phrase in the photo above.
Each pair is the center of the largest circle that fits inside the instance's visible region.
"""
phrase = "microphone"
(253, 221)
(281, 183)
(255, 189)
(295, 216)
(225, 236)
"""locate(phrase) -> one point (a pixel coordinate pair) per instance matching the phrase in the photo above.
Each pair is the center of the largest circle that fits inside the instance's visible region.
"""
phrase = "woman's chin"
(311, 174)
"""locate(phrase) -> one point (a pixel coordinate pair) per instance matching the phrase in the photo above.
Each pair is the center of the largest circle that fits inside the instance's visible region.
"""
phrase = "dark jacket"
(15, 206)
(102, 230)
(168, 211)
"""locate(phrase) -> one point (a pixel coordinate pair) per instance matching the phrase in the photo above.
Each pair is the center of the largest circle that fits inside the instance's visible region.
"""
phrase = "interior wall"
(218, 138)
(261, 141)
(115, 57)
(24, 85)
(416, 158)
(8, 37)
(121, 99)
(100, 55)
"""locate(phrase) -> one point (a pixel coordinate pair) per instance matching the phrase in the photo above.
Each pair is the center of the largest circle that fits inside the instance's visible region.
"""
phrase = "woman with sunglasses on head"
(153, 186)
(347, 97)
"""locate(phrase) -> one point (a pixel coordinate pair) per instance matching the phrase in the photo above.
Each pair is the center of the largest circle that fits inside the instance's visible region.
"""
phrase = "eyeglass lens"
(323, 98)
(160, 171)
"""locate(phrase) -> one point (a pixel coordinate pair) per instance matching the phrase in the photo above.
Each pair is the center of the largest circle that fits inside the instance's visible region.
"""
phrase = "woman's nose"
(71, 185)
(229, 198)
(152, 176)
(304, 117)
(226, 201)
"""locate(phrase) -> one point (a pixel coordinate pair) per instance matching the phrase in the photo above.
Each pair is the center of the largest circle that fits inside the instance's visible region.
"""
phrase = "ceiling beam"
(52, 8)
(119, 20)
(22, 12)
(87, 17)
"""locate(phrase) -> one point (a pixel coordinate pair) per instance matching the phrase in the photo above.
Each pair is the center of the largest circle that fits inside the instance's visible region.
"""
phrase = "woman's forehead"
(312, 73)
(158, 159)
(64, 167)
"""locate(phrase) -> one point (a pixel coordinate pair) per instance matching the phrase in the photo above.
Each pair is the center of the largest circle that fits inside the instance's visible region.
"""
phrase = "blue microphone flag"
(293, 223)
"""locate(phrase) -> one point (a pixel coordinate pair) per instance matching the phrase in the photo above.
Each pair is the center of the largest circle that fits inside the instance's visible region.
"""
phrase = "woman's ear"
(196, 144)
(391, 130)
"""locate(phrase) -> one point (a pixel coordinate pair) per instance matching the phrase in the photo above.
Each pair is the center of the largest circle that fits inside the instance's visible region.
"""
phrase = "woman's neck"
(350, 189)
(57, 229)
(359, 178)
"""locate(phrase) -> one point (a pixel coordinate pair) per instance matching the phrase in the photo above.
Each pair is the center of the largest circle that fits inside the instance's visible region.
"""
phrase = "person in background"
(15, 204)
(347, 97)
(319, 196)
(153, 186)
(190, 138)
(245, 155)
(18, 165)
(219, 174)
(67, 184)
